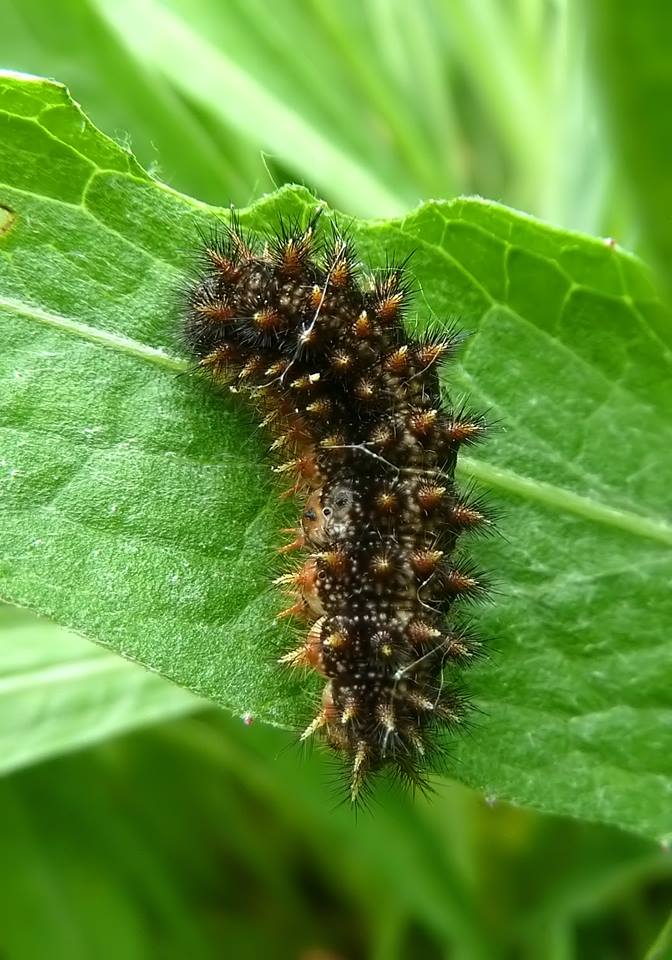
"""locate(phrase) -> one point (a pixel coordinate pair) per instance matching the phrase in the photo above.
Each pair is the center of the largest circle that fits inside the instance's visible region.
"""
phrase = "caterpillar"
(353, 405)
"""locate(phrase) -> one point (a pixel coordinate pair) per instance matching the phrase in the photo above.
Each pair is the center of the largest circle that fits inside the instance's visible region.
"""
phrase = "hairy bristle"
(354, 410)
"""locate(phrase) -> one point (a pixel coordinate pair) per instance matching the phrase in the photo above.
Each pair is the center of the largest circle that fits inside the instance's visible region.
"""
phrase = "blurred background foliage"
(200, 836)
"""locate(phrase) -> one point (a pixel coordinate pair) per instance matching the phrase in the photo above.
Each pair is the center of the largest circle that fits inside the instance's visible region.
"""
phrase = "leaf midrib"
(84, 331)
(523, 487)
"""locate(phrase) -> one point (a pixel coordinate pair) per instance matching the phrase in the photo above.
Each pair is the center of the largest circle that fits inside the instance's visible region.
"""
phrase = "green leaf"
(214, 58)
(126, 95)
(173, 892)
(85, 873)
(635, 71)
(139, 508)
(58, 692)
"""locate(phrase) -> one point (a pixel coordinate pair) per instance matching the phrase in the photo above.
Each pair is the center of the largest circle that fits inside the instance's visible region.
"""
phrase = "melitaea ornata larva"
(353, 405)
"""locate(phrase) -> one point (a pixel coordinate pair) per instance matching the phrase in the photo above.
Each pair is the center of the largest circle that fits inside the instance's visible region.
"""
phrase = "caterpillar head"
(331, 514)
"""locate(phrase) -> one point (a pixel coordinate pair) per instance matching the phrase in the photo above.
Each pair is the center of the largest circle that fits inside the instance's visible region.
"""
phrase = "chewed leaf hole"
(7, 220)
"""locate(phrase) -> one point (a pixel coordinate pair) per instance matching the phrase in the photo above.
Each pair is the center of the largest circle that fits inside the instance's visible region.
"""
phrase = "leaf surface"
(58, 692)
(138, 506)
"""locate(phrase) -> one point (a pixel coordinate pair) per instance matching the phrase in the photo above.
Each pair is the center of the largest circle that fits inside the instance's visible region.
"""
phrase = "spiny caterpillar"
(354, 406)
